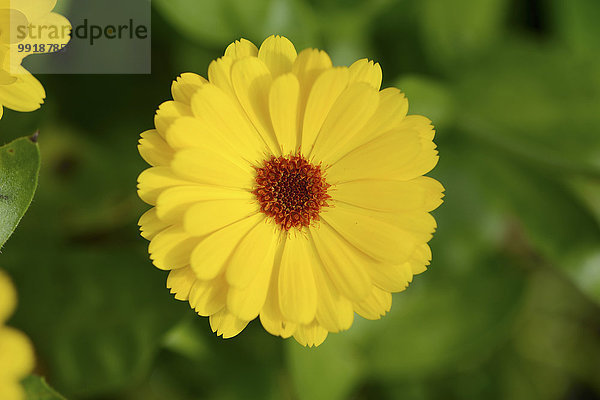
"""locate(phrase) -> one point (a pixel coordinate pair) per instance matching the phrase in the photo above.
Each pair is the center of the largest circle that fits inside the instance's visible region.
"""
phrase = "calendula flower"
(16, 352)
(27, 27)
(288, 189)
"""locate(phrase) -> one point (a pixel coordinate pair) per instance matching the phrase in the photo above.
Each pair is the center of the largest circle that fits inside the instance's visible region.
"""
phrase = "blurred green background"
(509, 308)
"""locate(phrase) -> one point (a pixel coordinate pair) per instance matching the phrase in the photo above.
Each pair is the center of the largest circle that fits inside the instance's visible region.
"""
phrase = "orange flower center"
(291, 190)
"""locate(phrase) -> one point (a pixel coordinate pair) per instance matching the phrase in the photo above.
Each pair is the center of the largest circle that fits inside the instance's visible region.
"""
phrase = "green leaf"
(36, 388)
(96, 308)
(19, 169)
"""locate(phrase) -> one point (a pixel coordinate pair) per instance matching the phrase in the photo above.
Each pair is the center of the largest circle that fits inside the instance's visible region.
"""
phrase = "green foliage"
(508, 309)
(576, 23)
(97, 310)
(36, 388)
(19, 168)
(329, 373)
(456, 31)
(430, 97)
(214, 23)
(436, 319)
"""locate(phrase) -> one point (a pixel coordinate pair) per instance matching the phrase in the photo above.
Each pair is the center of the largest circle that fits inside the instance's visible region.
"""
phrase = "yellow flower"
(16, 352)
(27, 27)
(288, 189)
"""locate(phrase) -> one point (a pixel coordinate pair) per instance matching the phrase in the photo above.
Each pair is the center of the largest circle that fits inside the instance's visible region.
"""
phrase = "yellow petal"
(310, 335)
(16, 354)
(418, 224)
(221, 116)
(190, 132)
(184, 87)
(377, 304)
(275, 324)
(153, 181)
(366, 71)
(172, 203)
(219, 74)
(209, 256)
(390, 156)
(209, 167)
(334, 311)
(390, 278)
(270, 315)
(309, 64)
(422, 254)
(283, 107)
(58, 35)
(347, 117)
(323, 95)
(428, 157)
(420, 124)
(278, 54)
(167, 113)
(208, 216)
(307, 67)
(389, 115)
(252, 82)
(186, 132)
(219, 70)
(33, 9)
(8, 297)
(297, 289)
(25, 94)
(180, 281)
(208, 297)
(379, 238)
(417, 268)
(420, 259)
(422, 193)
(240, 49)
(171, 248)
(343, 262)
(254, 249)
(246, 303)
(150, 225)
(226, 324)
(11, 390)
(154, 149)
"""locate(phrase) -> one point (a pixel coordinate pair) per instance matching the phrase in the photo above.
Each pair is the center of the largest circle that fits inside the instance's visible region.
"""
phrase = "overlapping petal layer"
(231, 261)
(19, 90)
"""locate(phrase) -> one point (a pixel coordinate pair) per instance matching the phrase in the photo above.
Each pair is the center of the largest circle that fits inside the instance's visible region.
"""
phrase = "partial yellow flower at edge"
(27, 27)
(16, 351)
(286, 189)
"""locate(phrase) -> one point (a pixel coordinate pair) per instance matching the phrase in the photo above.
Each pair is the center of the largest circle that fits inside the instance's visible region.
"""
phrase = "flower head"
(27, 27)
(16, 353)
(288, 189)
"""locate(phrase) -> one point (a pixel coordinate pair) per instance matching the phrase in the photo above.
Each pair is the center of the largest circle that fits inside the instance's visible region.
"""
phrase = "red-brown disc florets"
(291, 190)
